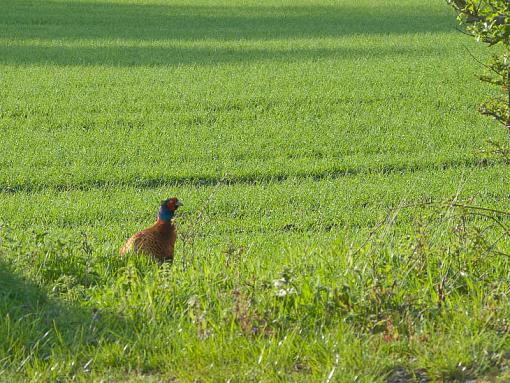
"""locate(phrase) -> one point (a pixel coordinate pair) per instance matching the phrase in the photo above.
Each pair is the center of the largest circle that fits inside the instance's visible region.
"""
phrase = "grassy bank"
(294, 133)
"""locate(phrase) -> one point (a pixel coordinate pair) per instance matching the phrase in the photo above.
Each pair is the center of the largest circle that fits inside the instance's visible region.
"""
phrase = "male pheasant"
(158, 240)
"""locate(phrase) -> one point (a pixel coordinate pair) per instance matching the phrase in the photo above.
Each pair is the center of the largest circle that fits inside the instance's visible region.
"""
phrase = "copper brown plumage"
(157, 241)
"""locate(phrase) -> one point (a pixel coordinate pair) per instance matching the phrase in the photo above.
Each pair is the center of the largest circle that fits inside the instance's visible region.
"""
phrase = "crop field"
(314, 145)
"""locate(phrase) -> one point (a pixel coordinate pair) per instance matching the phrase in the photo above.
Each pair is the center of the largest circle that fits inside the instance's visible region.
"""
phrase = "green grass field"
(299, 135)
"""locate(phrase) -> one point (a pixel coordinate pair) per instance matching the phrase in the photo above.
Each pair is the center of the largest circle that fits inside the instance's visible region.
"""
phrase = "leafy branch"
(488, 21)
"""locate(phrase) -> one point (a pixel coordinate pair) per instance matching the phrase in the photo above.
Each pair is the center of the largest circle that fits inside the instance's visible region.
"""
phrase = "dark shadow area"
(72, 21)
(89, 20)
(252, 179)
(39, 323)
(174, 56)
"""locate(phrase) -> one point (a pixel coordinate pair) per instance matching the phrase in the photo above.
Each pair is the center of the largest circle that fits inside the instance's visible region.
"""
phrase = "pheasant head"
(168, 208)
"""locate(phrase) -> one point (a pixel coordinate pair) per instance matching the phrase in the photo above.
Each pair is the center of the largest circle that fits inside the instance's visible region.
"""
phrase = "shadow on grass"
(35, 326)
(47, 21)
(249, 179)
(93, 20)
(174, 56)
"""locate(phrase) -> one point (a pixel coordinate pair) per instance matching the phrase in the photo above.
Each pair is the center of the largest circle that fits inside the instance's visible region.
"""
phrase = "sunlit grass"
(293, 132)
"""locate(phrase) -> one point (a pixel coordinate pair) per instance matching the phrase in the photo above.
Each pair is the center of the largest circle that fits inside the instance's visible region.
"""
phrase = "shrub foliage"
(489, 22)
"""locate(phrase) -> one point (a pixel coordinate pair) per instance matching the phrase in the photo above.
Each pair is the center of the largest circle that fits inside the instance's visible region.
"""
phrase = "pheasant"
(158, 240)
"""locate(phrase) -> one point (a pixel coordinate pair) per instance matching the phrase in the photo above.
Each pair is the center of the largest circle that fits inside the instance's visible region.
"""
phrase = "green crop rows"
(303, 138)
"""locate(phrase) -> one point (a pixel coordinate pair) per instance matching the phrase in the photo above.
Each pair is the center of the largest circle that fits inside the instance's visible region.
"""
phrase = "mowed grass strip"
(289, 130)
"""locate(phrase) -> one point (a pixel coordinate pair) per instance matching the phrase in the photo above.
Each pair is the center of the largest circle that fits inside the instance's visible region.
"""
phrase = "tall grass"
(307, 141)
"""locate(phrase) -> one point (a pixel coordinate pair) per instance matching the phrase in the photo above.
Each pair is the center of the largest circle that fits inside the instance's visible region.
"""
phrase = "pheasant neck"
(165, 214)
(160, 221)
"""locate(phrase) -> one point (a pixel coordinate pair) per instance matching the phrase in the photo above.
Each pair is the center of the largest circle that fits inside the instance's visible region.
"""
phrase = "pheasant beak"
(178, 204)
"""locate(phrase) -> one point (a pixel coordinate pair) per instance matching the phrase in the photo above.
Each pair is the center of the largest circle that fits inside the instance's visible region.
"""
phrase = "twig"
(459, 205)
(191, 233)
